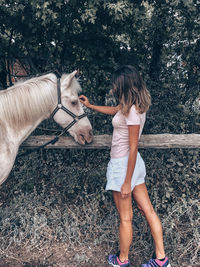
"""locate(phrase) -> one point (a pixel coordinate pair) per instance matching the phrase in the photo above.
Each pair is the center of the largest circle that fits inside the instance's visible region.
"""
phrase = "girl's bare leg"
(124, 207)
(141, 197)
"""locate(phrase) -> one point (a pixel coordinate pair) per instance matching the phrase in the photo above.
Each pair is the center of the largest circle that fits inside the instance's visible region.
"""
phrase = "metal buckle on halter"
(76, 119)
(59, 106)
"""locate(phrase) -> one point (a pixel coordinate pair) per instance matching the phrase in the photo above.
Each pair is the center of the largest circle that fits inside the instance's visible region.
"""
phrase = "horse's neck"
(20, 135)
(34, 113)
(27, 102)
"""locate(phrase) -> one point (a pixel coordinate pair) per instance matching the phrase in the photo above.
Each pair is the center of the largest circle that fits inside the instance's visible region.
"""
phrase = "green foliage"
(159, 37)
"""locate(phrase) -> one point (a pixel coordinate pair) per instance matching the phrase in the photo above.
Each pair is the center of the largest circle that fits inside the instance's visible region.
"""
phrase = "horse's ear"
(68, 80)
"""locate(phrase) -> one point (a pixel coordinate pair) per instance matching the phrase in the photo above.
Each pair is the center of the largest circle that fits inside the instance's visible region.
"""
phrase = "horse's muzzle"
(85, 137)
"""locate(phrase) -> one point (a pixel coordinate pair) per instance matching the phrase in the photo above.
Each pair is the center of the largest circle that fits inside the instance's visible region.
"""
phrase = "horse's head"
(82, 129)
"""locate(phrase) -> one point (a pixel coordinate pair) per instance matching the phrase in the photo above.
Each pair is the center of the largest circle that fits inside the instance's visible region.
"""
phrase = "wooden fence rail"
(104, 141)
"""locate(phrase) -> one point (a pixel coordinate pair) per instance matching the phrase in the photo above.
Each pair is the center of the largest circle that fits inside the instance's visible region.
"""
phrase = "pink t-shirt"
(120, 139)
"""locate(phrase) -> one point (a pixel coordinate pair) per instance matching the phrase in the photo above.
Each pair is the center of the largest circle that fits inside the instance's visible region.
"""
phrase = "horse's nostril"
(82, 138)
(90, 133)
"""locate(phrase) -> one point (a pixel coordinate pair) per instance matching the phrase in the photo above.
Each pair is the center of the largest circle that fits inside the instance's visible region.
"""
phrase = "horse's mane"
(26, 101)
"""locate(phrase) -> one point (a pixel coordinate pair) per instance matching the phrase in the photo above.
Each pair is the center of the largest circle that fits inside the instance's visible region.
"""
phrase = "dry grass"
(37, 232)
(41, 228)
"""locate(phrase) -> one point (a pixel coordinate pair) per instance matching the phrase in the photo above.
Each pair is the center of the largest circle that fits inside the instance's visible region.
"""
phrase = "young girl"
(126, 169)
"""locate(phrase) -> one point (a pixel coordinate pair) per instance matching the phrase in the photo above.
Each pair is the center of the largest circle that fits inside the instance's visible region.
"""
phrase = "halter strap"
(60, 106)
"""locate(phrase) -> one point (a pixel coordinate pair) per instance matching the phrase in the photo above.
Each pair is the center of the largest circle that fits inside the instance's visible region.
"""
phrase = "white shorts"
(116, 173)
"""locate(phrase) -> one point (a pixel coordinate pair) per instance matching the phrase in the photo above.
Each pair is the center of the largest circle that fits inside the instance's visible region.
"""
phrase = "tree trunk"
(159, 37)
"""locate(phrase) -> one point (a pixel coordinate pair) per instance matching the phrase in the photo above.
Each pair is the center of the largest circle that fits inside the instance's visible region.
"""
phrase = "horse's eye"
(74, 103)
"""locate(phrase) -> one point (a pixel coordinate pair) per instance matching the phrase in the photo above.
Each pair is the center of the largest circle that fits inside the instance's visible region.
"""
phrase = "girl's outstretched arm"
(103, 109)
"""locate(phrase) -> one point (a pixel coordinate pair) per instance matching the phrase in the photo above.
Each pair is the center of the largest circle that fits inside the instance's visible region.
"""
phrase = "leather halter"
(60, 106)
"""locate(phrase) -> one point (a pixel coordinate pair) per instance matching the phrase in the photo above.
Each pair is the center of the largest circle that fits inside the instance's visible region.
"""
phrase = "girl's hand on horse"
(84, 100)
(125, 190)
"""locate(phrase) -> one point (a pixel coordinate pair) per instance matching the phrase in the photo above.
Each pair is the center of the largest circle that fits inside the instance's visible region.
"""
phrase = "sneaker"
(157, 263)
(114, 261)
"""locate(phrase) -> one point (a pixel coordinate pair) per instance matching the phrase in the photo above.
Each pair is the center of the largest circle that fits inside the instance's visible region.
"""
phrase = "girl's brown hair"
(130, 89)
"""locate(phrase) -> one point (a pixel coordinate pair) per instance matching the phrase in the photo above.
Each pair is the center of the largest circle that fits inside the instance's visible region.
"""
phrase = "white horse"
(26, 104)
